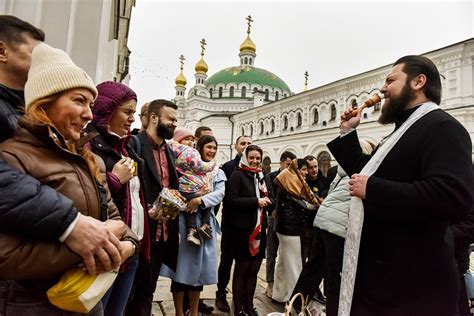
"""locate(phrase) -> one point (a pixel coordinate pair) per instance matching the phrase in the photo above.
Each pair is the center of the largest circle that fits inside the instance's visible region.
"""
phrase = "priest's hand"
(358, 185)
(349, 122)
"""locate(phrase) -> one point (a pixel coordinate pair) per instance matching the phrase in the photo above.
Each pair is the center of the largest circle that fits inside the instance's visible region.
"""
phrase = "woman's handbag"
(78, 291)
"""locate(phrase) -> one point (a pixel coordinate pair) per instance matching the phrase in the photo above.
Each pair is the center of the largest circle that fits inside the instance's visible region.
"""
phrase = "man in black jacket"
(159, 173)
(25, 205)
(423, 183)
(225, 264)
(272, 240)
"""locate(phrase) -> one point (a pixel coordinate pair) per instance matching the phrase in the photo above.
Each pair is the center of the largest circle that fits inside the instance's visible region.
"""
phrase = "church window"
(276, 96)
(220, 92)
(244, 92)
(267, 94)
(255, 89)
(246, 60)
(251, 130)
(261, 127)
(273, 125)
(250, 60)
(284, 95)
(315, 116)
(377, 106)
(210, 92)
(285, 122)
(299, 119)
(231, 93)
(333, 112)
(242, 132)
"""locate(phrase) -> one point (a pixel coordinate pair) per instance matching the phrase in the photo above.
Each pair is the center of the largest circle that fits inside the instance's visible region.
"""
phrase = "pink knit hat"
(181, 133)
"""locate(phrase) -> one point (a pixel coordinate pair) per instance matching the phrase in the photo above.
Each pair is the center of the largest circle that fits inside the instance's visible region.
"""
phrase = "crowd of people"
(78, 185)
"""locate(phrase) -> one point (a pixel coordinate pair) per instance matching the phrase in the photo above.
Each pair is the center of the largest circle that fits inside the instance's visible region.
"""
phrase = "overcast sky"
(331, 39)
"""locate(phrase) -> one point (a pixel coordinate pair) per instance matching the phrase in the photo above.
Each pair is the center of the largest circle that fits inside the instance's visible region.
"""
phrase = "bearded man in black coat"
(406, 260)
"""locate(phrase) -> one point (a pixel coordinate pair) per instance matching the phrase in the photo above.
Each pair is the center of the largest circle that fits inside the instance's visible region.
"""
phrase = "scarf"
(260, 189)
(356, 211)
(291, 181)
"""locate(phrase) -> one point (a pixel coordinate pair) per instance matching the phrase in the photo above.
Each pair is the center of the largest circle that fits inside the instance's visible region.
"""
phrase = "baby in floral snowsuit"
(193, 182)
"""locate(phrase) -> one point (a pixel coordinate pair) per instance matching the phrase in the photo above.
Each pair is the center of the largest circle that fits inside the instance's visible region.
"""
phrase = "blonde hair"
(35, 113)
(367, 146)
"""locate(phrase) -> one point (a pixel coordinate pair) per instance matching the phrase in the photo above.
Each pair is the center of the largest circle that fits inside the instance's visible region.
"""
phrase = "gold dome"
(201, 66)
(248, 45)
(181, 79)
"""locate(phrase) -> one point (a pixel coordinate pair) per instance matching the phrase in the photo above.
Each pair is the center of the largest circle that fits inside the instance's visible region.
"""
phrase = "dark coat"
(153, 188)
(291, 215)
(406, 260)
(229, 167)
(241, 201)
(27, 206)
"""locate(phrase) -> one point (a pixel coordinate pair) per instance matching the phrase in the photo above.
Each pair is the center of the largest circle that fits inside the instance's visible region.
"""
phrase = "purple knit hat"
(111, 95)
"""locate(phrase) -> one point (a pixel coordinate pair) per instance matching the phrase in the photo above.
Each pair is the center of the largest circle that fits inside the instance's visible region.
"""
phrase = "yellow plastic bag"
(79, 291)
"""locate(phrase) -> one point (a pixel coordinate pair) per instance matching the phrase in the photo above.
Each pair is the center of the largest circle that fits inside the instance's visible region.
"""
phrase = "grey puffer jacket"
(333, 213)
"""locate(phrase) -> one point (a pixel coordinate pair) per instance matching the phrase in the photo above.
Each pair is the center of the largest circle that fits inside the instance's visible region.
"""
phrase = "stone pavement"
(163, 304)
(163, 300)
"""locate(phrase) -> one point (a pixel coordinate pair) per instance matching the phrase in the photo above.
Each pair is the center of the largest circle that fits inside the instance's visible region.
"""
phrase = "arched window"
(284, 95)
(315, 116)
(246, 60)
(333, 112)
(285, 122)
(250, 59)
(242, 132)
(273, 125)
(377, 106)
(244, 92)
(276, 96)
(231, 93)
(220, 92)
(354, 103)
(261, 127)
(251, 130)
(267, 94)
(299, 119)
(210, 92)
(255, 89)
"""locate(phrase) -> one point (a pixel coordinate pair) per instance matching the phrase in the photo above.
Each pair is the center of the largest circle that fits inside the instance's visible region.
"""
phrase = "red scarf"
(255, 236)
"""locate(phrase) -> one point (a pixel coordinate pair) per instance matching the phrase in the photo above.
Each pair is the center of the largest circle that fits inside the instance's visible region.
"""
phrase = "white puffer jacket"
(333, 213)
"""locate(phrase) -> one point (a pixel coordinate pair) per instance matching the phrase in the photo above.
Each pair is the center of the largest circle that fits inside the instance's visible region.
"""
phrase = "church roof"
(247, 74)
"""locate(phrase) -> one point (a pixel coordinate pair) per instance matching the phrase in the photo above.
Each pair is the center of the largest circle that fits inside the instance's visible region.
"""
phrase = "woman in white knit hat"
(58, 99)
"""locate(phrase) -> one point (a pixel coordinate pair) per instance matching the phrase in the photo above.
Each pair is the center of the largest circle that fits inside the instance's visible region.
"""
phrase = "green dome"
(247, 74)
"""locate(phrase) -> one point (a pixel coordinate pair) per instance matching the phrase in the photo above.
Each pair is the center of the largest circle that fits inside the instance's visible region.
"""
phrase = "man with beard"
(417, 182)
(159, 173)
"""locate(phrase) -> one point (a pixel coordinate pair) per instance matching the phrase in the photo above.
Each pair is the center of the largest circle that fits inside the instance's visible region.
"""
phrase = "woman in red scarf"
(246, 202)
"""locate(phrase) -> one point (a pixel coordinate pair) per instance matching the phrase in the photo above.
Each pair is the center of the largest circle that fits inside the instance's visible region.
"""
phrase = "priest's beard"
(164, 131)
(394, 107)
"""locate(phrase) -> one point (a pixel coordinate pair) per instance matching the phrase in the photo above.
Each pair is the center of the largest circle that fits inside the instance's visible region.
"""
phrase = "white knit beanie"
(52, 71)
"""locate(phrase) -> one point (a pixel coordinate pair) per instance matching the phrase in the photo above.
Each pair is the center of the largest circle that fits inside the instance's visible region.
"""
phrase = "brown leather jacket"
(39, 150)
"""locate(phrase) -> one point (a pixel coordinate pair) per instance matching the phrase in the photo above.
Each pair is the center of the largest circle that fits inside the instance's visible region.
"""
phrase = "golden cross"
(181, 61)
(306, 75)
(203, 44)
(249, 20)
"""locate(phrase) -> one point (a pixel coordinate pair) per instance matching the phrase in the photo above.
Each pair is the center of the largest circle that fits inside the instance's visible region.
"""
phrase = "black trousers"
(334, 248)
(227, 258)
(313, 269)
(144, 286)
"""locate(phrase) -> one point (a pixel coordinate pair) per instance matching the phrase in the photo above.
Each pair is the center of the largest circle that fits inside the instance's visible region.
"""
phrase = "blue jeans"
(116, 298)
